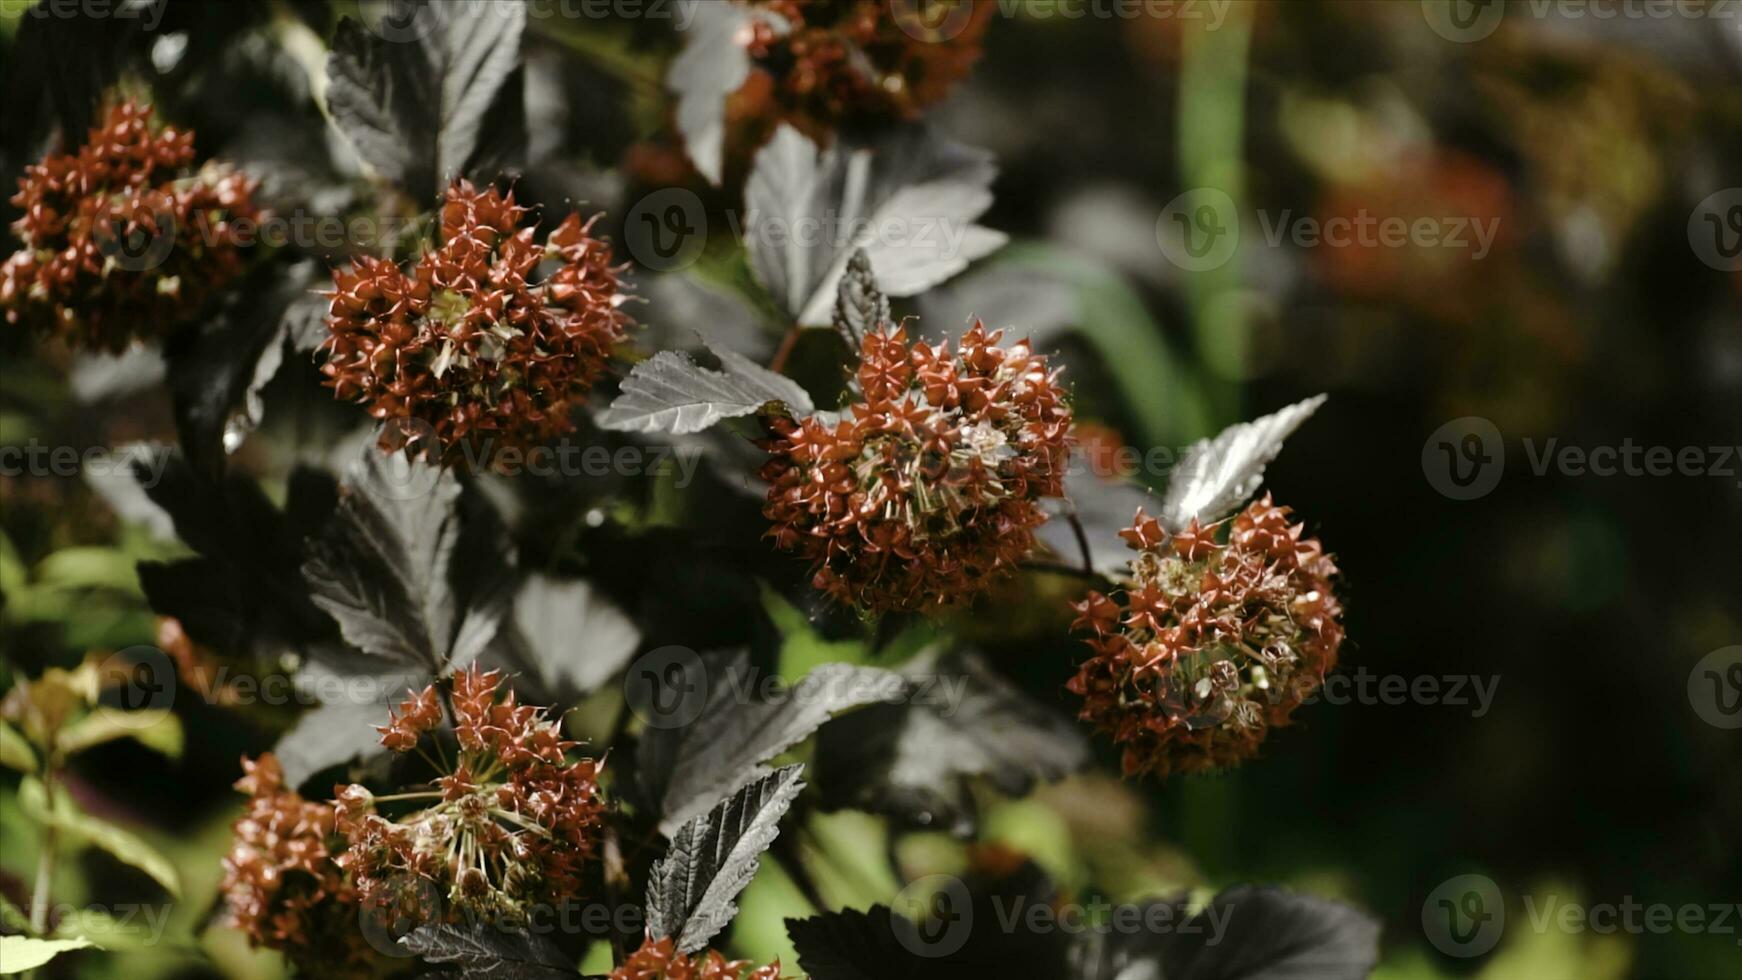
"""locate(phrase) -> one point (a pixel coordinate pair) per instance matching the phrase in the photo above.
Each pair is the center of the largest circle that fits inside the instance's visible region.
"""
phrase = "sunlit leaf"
(80, 827)
(669, 393)
(156, 729)
(691, 892)
(1219, 475)
(21, 953)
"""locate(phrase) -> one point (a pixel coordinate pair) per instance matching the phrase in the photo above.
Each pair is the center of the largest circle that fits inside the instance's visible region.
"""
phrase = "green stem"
(39, 895)
(1212, 118)
(429, 795)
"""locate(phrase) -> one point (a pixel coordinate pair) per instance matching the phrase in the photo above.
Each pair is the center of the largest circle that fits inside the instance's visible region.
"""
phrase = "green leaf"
(802, 648)
(156, 728)
(20, 953)
(15, 750)
(81, 827)
(13, 917)
(89, 568)
(13, 574)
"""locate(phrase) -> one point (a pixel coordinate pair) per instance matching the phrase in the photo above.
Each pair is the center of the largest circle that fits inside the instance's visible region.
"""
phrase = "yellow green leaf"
(81, 827)
(20, 953)
(154, 728)
(15, 751)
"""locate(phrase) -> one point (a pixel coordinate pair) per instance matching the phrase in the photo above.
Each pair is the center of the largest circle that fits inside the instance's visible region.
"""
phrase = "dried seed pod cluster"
(509, 827)
(658, 959)
(282, 887)
(465, 342)
(924, 492)
(857, 62)
(1217, 637)
(123, 239)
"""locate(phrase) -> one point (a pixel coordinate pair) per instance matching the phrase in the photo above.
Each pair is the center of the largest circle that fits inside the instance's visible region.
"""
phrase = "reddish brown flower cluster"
(658, 959)
(927, 490)
(463, 342)
(281, 885)
(509, 827)
(1213, 642)
(122, 239)
(857, 62)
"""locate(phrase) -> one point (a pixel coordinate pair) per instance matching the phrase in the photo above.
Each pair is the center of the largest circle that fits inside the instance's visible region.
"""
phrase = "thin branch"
(1082, 539)
(787, 343)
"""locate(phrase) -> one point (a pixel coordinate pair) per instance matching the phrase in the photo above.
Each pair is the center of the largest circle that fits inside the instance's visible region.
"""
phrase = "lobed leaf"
(570, 636)
(910, 200)
(685, 771)
(672, 394)
(913, 760)
(481, 951)
(1217, 476)
(390, 569)
(713, 64)
(691, 893)
(427, 109)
